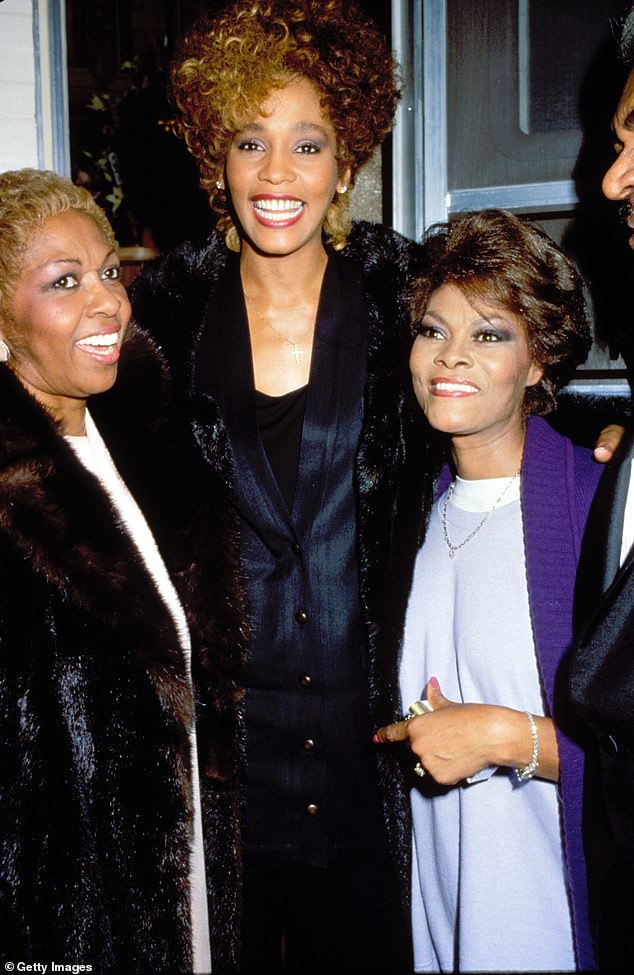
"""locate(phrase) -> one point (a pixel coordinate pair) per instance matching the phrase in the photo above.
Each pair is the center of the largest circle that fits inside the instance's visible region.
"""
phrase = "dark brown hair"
(499, 259)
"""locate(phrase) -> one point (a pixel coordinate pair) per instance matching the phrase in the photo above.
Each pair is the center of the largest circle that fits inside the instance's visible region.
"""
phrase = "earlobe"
(535, 373)
(344, 180)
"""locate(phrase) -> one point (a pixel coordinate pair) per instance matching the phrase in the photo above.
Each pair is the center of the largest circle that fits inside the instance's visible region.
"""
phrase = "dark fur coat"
(393, 476)
(95, 792)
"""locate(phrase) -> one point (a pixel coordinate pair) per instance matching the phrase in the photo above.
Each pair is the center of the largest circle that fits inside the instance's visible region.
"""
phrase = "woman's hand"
(455, 741)
(607, 442)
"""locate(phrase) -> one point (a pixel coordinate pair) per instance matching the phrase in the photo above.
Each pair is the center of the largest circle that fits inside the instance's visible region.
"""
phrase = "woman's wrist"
(512, 738)
(528, 771)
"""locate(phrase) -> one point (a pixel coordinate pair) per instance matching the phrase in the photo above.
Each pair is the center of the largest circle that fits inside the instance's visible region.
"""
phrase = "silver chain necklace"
(454, 548)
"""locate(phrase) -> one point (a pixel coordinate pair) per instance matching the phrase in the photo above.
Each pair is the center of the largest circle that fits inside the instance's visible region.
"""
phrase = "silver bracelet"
(523, 774)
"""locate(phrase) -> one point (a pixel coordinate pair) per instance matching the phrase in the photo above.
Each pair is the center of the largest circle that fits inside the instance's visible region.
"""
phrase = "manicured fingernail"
(434, 683)
(376, 739)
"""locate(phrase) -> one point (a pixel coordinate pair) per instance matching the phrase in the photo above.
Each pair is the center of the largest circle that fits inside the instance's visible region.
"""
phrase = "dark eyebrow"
(75, 260)
(481, 320)
(298, 127)
(435, 315)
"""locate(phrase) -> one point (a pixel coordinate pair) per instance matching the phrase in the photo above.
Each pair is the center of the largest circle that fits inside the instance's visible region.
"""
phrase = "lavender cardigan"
(558, 484)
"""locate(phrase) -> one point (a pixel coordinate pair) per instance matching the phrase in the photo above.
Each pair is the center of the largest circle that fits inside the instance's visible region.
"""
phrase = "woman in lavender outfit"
(498, 875)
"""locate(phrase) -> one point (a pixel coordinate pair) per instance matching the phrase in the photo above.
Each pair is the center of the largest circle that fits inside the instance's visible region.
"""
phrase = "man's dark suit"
(602, 689)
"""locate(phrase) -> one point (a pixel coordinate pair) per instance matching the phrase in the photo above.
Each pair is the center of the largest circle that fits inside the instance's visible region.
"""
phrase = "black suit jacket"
(393, 471)
(602, 689)
(308, 728)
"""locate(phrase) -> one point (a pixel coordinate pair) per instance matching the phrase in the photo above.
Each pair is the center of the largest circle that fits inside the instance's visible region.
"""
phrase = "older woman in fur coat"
(119, 667)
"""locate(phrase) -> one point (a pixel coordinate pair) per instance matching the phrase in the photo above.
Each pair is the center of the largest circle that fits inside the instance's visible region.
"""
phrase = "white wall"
(18, 124)
(33, 85)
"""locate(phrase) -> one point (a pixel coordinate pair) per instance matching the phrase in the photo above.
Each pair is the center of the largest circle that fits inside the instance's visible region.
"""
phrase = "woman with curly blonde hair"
(287, 340)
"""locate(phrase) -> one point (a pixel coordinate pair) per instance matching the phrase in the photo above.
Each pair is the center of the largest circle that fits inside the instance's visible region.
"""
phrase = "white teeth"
(278, 209)
(102, 339)
(292, 205)
(455, 387)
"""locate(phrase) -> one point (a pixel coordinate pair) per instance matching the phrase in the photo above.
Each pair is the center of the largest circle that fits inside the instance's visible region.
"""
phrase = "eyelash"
(59, 283)
(303, 149)
(249, 145)
(489, 335)
(111, 273)
(429, 332)
(485, 336)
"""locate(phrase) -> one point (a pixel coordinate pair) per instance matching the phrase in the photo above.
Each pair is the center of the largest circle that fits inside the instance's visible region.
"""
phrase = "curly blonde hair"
(230, 63)
(28, 197)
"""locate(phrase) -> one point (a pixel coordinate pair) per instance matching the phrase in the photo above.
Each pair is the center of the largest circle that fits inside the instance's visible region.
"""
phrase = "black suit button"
(305, 680)
(301, 616)
(312, 809)
(308, 745)
(608, 745)
(295, 549)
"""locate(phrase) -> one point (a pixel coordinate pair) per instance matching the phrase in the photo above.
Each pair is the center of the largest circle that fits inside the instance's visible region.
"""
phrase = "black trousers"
(344, 920)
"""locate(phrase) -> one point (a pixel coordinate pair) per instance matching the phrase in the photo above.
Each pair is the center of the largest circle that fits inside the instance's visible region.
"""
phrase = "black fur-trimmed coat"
(95, 705)
(393, 473)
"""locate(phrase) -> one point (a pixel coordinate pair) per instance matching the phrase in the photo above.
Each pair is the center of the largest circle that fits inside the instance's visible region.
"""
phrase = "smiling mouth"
(449, 388)
(102, 344)
(273, 210)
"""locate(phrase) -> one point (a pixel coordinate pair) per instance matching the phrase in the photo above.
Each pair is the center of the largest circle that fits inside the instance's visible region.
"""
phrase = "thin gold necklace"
(296, 349)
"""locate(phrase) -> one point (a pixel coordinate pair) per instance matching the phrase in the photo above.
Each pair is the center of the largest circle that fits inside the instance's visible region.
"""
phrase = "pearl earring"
(5, 351)
(219, 184)
(342, 189)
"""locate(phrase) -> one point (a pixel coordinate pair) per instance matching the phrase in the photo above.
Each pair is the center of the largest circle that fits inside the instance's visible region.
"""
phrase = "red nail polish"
(376, 739)
(434, 683)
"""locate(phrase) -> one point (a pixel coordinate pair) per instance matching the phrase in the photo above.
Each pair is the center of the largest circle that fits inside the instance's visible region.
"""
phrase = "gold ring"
(419, 707)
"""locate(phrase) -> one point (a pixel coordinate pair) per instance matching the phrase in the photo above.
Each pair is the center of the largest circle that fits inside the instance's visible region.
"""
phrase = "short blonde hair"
(28, 197)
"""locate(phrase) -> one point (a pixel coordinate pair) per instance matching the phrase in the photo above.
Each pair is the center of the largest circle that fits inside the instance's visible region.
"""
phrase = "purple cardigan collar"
(557, 485)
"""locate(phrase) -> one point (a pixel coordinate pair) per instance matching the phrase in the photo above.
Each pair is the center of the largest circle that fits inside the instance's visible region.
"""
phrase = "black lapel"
(223, 370)
(337, 370)
(601, 548)
(618, 481)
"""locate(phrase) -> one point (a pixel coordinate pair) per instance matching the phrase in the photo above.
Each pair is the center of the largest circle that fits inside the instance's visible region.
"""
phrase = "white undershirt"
(94, 455)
